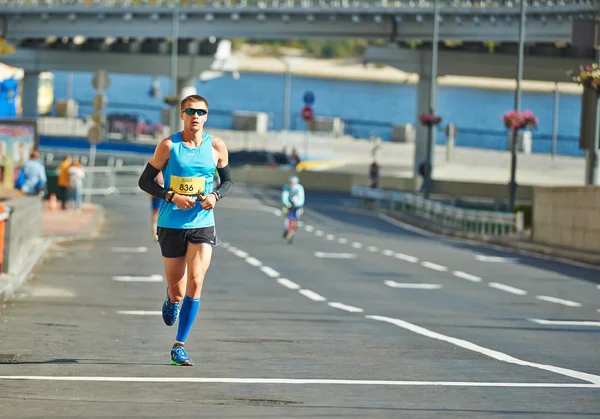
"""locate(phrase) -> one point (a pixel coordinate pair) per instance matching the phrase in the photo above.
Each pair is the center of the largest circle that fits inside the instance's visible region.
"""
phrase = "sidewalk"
(57, 226)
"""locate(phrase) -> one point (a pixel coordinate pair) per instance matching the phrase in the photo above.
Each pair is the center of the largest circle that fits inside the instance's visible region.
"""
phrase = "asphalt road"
(358, 318)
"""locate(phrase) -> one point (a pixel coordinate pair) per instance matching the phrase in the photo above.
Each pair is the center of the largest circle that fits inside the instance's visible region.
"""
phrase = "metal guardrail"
(475, 221)
(293, 4)
(109, 180)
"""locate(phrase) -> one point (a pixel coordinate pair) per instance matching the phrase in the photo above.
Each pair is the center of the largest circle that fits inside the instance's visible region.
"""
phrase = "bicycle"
(291, 225)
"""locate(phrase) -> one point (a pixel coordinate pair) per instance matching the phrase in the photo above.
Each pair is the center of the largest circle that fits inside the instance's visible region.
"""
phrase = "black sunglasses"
(191, 111)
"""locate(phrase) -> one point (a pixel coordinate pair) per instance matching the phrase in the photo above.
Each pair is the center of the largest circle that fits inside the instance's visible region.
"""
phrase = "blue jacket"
(35, 176)
(293, 197)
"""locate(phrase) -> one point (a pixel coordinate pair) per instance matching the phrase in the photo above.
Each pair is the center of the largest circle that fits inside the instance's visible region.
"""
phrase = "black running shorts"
(173, 241)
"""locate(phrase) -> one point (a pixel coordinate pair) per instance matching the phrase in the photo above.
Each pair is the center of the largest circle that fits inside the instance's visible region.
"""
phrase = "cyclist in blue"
(292, 197)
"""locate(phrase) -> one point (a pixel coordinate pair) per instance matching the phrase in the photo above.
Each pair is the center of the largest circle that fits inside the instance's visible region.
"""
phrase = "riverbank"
(354, 69)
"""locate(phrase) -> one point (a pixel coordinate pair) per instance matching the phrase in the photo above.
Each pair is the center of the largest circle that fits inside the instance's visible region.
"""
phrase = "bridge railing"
(474, 221)
(295, 4)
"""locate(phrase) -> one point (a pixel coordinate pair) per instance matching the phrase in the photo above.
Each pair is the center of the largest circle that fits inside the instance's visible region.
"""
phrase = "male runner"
(186, 224)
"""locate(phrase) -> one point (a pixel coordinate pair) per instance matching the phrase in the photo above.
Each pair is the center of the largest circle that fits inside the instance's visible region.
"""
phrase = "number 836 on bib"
(187, 185)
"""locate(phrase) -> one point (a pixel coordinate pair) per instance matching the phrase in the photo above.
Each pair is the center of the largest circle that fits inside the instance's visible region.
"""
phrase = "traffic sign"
(95, 134)
(101, 80)
(307, 113)
(99, 101)
(309, 98)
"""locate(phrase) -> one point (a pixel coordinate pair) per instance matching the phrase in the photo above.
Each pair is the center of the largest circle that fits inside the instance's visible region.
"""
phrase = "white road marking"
(466, 276)
(595, 379)
(253, 261)
(140, 312)
(495, 259)
(324, 255)
(140, 249)
(598, 286)
(300, 223)
(270, 271)
(288, 284)
(240, 253)
(566, 322)
(372, 248)
(388, 252)
(357, 245)
(568, 303)
(319, 233)
(309, 228)
(224, 245)
(407, 258)
(416, 286)
(434, 266)
(345, 307)
(312, 295)
(407, 227)
(507, 288)
(330, 237)
(292, 381)
(342, 240)
(126, 278)
(272, 210)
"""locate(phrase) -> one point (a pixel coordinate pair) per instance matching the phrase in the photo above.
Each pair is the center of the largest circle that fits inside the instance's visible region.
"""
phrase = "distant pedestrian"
(374, 175)
(63, 180)
(75, 190)
(31, 179)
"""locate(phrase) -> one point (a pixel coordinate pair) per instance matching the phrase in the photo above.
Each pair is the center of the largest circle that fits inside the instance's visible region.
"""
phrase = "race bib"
(187, 185)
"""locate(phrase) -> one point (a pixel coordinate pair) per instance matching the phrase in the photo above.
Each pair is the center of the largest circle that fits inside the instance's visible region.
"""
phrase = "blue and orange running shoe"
(170, 311)
(180, 357)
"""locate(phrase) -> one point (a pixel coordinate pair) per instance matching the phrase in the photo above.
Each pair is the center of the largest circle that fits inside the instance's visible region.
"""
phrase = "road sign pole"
(306, 140)
(91, 164)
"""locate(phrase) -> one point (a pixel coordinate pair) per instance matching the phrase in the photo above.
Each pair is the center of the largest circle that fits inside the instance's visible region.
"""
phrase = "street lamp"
(515, 137)
(174, 53)
(432, 98)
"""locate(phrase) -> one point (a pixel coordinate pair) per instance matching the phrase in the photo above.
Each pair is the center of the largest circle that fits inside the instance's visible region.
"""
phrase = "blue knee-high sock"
(187, 315)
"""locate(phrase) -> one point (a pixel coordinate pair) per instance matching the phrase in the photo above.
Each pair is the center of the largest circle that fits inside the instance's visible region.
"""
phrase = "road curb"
(10, 283)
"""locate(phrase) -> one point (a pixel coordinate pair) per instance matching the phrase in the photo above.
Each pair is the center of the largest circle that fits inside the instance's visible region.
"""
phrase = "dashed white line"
(309, 228)
(312, 295)
(300, 223)
(319, 233)
(324, 255)
(140, 249)
(407, 258)
(240, 253)
(568, 303)
(288, 284)
(595, 379)
(372, 248)
(416, 286)
(495, 259)
(345, 307)
(357, 245)
(468, 277)
(507, 288)
(434, 266)
(269, 271)
(342, 240)
(388, 252)
(126, 278)
(565, 322)
(330, 237)
(253, 261)
(140, 312)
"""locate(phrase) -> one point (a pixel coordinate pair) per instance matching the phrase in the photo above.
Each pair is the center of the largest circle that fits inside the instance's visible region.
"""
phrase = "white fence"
(108, 180)
(484, 222)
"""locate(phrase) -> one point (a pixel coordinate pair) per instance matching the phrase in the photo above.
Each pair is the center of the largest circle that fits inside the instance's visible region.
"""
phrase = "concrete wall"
(23, 226)
(567, 217)
(334, 181)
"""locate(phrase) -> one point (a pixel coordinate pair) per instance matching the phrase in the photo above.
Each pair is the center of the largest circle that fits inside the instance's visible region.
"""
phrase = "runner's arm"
(147, 181)
(223, 168)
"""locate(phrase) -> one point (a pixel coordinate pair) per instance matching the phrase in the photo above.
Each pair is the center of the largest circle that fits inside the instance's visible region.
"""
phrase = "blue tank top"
(186, 169)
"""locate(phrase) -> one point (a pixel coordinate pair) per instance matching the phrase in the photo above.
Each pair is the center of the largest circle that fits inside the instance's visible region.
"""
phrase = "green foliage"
(314, 47)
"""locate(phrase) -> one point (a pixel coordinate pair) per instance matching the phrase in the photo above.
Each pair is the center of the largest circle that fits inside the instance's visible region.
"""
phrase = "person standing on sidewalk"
(186, 223)
(63, 180)
(75, 190)
(32, 177)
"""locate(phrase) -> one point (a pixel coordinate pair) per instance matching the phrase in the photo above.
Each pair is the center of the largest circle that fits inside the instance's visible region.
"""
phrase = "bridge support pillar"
(29, 95)
(423, 95)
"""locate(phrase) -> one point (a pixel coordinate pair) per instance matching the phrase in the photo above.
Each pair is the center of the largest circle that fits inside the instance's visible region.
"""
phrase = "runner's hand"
(184, 202)
(208, 201)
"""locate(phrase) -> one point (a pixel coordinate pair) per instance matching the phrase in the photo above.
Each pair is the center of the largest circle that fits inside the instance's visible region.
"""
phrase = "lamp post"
(174, 53)
(432, 97)
(515, 132)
